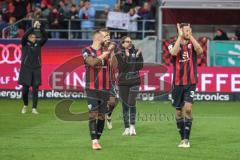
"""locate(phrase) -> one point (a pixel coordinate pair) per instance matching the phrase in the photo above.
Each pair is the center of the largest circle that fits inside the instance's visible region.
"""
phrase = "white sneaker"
(126, 132)
(187, 143)
(34, 111)
(184, 144)
(132, 131)
(181, 144)
(24, 110)
(109, 122)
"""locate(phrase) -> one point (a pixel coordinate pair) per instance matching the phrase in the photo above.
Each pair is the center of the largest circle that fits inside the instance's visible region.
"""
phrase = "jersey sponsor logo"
(85, 55)
(184, 57)
(170, 47)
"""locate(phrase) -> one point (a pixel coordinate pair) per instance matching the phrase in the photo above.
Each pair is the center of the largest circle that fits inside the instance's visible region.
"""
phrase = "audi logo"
(10, 53)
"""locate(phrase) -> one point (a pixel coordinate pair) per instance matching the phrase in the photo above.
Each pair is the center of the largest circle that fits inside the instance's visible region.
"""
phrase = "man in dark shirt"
(30, 71)
(184, 58)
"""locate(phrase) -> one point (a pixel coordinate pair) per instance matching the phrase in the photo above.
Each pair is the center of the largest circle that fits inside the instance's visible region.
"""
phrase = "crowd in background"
(221, 35)
(57, 13)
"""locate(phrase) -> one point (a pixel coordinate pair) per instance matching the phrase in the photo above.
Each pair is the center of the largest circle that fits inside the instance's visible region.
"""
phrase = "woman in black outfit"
(128, 62)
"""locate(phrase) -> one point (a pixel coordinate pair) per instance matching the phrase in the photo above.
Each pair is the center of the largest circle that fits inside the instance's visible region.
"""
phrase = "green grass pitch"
(215, 134)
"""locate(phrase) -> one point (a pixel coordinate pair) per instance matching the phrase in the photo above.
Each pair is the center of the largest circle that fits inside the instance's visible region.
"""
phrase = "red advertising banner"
(63, 69)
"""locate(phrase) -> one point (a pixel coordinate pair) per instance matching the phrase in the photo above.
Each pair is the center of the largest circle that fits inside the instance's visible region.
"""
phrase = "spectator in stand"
(20, 9)
(55, 19)
(4, 9)
(3, 23)
(127, 5)
(13, 30)
(117, 8)
(87, 14)
(237, 34)
(145, 14)
(81, 4)
(36, 2)
(77, 2)
(65, 7)
(145, 11)
(45, 10)
(133, 26)
(73, 16)
(103, 16)
(221, 35)
(49, 3)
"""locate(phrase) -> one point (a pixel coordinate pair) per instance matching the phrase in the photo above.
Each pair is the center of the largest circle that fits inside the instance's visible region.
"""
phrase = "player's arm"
(196, 45)
(139, 60)
(175, 49)
(113, 62)
(25, 36)
(44, 35)
(95, 61)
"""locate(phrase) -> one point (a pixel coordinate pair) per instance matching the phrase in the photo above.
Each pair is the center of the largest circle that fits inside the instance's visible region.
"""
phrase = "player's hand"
(180, 32)
(112, 46)
(106, 52)
(139, 51)
(127, 52)
(36, 24)
(106, 38)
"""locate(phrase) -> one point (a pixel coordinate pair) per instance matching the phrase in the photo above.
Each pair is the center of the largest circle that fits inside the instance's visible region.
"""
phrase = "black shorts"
(182, 94)
(97, 100)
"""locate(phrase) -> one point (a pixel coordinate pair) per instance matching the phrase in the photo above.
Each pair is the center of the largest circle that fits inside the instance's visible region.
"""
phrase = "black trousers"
(25, 91)
(128, 96)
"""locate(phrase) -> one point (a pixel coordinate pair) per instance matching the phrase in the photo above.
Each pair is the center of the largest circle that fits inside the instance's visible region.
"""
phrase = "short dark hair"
(184, 25)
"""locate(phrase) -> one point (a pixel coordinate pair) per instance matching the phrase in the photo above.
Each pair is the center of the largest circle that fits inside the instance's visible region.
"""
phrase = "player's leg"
(187, 122)
(178, 103)
(189, 92)
(25, 91)
(124, 93)
(111, 105)
(35, 99)
(132, 105)
(93, 116)
(102, 110)
(180, 122)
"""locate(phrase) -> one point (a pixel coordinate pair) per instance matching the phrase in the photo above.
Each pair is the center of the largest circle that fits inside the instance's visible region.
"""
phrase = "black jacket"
(128, 67)
(31, 52)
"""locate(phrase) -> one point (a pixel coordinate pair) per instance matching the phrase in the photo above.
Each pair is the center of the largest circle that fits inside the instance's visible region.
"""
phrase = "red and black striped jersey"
(184, 65)
(97, 78)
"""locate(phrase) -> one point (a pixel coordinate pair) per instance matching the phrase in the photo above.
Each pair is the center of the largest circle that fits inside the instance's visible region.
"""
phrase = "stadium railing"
(142, 31)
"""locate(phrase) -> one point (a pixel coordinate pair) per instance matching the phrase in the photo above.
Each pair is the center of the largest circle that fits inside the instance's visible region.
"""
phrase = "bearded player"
(97, 85)
(184, 58)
